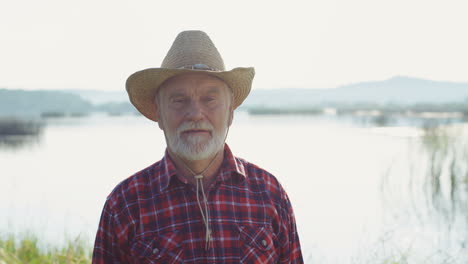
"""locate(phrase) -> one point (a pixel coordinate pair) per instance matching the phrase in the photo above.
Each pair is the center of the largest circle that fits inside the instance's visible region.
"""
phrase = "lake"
(348, 183)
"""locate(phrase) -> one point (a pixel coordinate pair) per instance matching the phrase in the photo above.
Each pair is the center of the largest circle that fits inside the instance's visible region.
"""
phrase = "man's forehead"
(191, 81)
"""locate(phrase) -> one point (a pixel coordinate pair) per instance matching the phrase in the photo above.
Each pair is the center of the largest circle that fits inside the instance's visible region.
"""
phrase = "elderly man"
(200, 203)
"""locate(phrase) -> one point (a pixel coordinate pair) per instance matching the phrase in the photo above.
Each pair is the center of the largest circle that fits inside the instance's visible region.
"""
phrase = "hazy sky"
(96, 44)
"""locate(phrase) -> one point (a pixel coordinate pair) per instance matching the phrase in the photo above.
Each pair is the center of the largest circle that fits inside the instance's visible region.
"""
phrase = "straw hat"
(192, 51)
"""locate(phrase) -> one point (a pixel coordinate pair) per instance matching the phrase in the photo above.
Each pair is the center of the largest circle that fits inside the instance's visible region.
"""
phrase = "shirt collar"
(230, 168)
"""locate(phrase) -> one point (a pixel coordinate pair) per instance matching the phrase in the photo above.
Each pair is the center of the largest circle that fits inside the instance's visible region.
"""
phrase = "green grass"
(27, 249)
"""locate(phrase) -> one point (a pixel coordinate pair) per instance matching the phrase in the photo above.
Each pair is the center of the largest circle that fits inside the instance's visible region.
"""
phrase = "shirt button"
(264, 243)
(156, 251)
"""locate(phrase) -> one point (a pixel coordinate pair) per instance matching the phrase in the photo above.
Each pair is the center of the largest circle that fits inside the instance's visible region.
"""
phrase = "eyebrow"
(211, 90)
(176, 94)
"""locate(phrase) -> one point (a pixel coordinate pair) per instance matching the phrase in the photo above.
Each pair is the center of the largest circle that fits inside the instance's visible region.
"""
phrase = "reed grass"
(446, 183)
(27, 249)
(434, 194)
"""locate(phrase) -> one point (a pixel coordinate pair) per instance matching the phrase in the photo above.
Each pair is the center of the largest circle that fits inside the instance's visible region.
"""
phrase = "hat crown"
(190, 48)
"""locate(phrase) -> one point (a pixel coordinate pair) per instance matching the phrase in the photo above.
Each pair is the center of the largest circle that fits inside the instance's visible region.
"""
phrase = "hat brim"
(143, 85)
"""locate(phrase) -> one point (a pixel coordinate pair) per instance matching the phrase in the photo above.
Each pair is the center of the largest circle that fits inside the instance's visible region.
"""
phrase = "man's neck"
(198, 166)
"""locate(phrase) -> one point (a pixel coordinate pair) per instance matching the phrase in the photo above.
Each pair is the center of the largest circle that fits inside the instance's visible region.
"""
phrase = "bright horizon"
(96, 45)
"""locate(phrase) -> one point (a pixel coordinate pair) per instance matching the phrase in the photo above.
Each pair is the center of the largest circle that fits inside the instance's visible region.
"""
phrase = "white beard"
(196, 147)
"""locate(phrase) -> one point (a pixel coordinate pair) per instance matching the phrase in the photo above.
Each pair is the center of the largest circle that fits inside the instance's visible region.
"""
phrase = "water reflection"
(66, 180)
(18, 142)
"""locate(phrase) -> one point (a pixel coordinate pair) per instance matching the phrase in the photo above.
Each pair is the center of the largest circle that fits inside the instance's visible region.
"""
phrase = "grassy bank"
(18, 132)
(27, 249)
(10, 126)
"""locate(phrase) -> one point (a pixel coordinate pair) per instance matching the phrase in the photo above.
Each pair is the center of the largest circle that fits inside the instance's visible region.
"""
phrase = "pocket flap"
(260, 237)
(156, 245)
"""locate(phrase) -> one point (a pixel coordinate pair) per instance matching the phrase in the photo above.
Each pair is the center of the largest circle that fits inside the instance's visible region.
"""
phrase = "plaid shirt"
(153, 217)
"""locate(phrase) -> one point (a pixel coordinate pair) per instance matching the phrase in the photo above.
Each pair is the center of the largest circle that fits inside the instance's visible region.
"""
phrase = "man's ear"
(158, 117)
(231, 117)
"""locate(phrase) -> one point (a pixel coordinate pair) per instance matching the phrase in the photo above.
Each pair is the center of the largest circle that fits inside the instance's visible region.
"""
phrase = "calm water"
(333, 172)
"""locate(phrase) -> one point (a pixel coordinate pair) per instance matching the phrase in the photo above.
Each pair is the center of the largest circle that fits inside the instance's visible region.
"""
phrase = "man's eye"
(209, 99)
(178, 100)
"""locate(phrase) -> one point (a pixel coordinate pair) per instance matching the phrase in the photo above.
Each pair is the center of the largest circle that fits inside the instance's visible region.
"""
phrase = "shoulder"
(261, 179)
(139, 184)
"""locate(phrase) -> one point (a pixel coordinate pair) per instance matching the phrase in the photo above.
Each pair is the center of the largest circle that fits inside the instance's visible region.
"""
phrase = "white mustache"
(192, 125)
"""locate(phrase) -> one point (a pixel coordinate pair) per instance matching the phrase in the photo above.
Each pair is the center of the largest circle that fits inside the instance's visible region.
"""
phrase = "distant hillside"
(20, 102)
(101, 97)
(55, 103)
(401, 90)
(397, 90)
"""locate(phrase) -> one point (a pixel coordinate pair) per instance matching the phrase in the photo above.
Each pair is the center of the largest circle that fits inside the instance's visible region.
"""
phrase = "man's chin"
(194, 140)
(197, 152)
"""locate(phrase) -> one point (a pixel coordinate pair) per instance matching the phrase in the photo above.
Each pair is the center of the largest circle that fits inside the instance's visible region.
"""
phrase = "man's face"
(194, 113)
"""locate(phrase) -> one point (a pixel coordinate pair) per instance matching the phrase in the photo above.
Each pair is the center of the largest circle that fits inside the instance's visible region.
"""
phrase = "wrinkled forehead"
(192, 84)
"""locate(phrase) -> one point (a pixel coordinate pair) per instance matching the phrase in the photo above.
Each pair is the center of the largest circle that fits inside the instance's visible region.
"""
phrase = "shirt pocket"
(163, 248)
(257, 244)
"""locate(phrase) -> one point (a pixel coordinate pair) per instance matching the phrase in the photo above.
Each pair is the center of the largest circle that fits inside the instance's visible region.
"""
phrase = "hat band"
(198, 66)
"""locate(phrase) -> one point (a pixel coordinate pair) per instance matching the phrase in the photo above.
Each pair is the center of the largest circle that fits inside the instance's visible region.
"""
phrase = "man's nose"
(194, 111)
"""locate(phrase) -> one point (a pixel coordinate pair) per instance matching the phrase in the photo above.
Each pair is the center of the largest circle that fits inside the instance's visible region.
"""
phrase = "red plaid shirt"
(153, 217)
